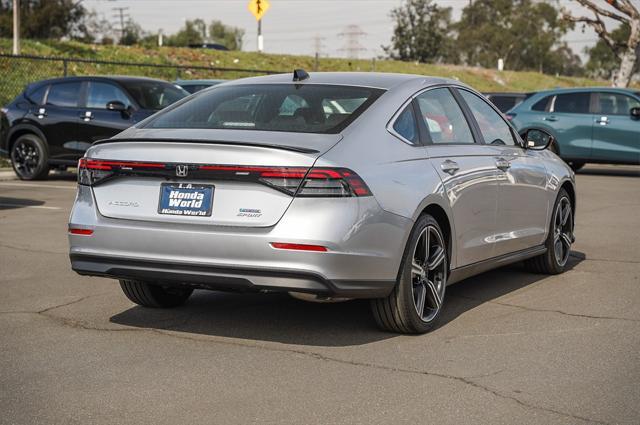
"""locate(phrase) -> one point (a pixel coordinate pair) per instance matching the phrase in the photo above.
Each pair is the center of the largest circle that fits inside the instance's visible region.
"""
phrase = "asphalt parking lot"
(513, 347)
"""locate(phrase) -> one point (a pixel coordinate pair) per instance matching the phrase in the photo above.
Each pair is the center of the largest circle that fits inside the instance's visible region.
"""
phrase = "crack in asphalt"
(545, 310)
(26, 249)
(47, 313)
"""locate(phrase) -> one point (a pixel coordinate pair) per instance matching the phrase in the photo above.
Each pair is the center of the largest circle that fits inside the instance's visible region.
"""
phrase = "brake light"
(510, 116)
(318, 182)
(299, 247)
(298, 181)
(91, 171)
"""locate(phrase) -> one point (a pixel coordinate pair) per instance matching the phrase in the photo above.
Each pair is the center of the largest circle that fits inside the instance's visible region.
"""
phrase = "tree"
(524, 33)
(192, 33)
(421, 32)
(46, 19)
(228, 36)
(132, 33)
(627, 50)
(604, 62)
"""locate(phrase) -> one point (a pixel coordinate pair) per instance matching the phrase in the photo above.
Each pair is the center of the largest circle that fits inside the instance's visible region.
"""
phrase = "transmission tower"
(318, 45)
(352, 45)
(121, 16)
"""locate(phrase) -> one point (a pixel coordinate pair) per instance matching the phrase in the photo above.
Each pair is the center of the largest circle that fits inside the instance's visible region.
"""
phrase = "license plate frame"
(207, 191)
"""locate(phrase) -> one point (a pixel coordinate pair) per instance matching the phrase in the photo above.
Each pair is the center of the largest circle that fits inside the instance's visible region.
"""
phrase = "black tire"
(399, 311)
(575, 166)
(554, 261)
(149, 295)
(29, 158)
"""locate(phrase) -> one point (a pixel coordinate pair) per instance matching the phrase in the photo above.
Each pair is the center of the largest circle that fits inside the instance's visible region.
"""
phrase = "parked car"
(53, 122)
(506, 101)
(193, 86)
(595, 124)
(423, 184)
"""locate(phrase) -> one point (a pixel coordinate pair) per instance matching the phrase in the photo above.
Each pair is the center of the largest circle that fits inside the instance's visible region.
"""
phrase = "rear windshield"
(154, 95)
(299, 108)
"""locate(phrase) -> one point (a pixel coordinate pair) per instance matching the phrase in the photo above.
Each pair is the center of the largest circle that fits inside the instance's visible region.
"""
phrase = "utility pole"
(16, 27)
(352, 46)
(122, 16)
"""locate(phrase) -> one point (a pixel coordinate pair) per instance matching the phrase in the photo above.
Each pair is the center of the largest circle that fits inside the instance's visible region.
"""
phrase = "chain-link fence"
(18, 71)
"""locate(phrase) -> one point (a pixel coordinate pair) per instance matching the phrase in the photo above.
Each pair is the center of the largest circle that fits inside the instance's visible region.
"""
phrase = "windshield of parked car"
(154, 95)
(300, 108)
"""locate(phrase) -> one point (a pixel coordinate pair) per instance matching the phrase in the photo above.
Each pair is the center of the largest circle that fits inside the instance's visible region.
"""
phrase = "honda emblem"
(182, 170)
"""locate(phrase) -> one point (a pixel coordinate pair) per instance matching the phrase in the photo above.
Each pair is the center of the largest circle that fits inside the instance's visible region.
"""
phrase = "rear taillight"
(510, 116)
(318, 182)
(92, 171)
(298, 181)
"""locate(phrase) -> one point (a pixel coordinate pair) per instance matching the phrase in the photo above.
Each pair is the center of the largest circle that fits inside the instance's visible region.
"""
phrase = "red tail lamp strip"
(299, 247)
(77, 231)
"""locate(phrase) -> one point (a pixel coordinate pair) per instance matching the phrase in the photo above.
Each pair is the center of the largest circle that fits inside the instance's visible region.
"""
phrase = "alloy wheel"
(429, 273)
(563, 231)
(25, 157)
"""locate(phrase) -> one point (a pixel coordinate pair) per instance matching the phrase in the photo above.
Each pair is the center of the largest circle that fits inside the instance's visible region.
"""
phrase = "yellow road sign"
(258, 8)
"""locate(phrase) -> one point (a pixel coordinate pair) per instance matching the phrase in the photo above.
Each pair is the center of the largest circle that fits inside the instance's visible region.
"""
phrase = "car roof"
(116, 78)
(363, 79)
(194, 82)
(587, 90)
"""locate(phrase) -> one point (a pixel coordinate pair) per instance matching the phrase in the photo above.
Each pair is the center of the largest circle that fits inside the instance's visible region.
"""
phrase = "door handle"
(449, 167)
(41, 113)
(602, 120)
(86, 116)
(503, 164)
(551, 118)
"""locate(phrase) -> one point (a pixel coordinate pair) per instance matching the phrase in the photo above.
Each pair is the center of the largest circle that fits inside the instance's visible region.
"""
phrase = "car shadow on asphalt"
(621, 171)
(14, 203)
(280, 318)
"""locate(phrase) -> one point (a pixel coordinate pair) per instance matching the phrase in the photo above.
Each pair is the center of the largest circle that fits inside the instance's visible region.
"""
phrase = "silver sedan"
(328, 186)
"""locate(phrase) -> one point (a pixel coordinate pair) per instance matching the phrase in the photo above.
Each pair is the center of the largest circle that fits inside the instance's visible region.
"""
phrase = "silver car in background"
(328, 186)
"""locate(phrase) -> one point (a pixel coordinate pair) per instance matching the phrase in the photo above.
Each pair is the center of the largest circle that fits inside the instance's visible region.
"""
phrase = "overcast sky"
(290, 26)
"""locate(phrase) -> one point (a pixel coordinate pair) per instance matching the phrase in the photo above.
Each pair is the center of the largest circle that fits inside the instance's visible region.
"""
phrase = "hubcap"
(25, 158)
(429, 273)
(563, 231)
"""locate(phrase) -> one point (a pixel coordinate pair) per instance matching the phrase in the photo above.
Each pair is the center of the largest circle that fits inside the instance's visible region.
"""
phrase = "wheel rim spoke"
(566, 240)
(420, 298)
(436, 258)
(428, 273)
(417, 269)
(434, 296)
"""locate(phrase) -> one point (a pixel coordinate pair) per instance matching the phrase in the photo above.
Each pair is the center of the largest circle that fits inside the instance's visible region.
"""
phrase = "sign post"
(258, 8)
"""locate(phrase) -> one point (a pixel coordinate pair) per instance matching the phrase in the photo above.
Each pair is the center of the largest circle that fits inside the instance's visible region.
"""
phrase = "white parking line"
(73, 187)
(8, 205)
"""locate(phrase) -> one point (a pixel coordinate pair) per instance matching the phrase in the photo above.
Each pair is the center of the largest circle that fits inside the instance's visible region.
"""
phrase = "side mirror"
(116, 105)
(635, 113)
(538, 140)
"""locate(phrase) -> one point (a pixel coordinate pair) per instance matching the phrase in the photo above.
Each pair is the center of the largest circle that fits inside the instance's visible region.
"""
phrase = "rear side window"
(493, 127)
(64, 94)
(154, 95)
(615, 104)
(574, 103)
(37, 95)
(443, 117)
(542, 105)
(99, 94)
(405, 125)
(295, 108)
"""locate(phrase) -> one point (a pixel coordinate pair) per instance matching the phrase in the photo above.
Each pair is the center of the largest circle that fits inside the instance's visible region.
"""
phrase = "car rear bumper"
(364, 249)
(227, 278)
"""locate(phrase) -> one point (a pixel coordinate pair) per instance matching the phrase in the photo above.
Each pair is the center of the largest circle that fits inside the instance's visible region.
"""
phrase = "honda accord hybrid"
(328, 186)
